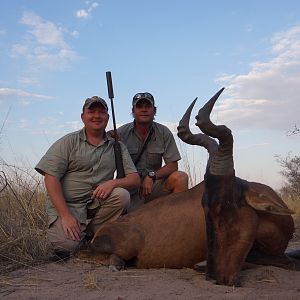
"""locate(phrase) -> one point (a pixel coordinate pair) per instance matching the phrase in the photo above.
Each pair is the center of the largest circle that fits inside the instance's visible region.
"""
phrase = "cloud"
(44, 32)
(173, 126)
(74, 33)
(268, 95)
(82, 14)
(74, 125)
(44, 45)
(53, 127)
(6, 94)
(23, 123)
(48, 121)
(86, 13)
(48, 132)
(25, 81)
(251, 146)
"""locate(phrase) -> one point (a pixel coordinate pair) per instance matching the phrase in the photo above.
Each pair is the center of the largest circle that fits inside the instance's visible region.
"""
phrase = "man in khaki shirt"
(78, 172)
(149, 144)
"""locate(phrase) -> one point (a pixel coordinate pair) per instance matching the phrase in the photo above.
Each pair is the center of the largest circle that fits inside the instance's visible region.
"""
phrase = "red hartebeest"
(171, 231)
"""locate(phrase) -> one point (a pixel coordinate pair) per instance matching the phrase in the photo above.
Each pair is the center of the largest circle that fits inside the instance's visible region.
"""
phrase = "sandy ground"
(76, 279)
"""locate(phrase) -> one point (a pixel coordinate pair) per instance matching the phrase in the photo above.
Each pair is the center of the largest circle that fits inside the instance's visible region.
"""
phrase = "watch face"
(151, 174)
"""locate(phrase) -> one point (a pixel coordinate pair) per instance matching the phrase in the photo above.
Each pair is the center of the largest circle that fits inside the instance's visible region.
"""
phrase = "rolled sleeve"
(55, 161)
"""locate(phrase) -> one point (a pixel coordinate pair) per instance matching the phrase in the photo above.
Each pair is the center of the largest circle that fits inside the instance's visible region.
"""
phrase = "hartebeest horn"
(185, 134)
(222, 162)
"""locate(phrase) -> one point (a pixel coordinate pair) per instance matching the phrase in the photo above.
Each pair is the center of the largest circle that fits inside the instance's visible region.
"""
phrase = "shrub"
(290, 191)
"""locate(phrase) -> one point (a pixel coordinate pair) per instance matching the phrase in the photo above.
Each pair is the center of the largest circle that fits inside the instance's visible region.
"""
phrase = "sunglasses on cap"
(140, 96)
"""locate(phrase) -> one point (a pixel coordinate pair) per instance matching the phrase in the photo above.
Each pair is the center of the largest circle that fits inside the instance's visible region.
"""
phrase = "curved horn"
(222, 161)
(203, 117)
(185, 134)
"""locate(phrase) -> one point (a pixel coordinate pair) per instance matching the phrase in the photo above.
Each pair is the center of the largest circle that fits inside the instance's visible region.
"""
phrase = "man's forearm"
(130, 181)
(166, 170)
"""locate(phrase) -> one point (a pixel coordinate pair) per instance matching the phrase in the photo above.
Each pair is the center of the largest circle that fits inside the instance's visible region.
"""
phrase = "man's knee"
(182, 179)
(59, 240)
(178, 181)
(122, 197)
(65, 245)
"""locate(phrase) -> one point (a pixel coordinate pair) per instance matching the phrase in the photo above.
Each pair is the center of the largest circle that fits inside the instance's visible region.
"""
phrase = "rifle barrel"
(111, 96)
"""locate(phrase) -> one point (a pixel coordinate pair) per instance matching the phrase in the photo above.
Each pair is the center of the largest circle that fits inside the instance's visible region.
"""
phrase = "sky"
(54, 54)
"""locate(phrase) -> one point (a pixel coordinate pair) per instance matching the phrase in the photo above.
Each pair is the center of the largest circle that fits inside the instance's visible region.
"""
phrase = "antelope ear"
(262, 202)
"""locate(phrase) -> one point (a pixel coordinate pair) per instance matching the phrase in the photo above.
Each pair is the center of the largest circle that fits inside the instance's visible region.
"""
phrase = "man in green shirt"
(79, 172)
(149, 143)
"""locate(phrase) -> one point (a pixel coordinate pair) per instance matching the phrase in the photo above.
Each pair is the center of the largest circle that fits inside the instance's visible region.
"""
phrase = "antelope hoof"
(230, 282)
(113, 268)
(116, 263)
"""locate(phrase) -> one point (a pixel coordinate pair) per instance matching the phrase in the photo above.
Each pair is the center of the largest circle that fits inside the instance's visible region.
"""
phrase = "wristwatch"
(152, 175)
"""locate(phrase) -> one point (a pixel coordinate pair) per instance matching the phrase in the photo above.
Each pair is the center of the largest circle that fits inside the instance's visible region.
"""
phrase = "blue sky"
(54, 54)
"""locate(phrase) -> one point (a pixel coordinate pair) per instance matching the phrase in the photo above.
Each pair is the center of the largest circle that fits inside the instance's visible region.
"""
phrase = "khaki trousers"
(158, 190)
(109, 210)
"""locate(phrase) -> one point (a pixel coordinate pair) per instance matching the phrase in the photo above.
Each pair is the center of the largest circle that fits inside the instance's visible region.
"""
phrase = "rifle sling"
(137, 159)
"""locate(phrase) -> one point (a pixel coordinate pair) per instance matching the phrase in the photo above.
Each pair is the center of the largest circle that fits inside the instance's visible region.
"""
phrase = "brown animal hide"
(166, 232)
(170, 232)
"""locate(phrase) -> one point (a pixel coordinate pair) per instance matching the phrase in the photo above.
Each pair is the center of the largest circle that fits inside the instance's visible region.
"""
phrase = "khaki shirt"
(161, 146)
(80, 167)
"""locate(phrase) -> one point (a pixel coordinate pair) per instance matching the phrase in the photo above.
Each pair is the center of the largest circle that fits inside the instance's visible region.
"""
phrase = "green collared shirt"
(161, 147)
(81, 166)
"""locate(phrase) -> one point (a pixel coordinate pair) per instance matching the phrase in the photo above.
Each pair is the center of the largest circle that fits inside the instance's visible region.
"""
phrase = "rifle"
(117, 146)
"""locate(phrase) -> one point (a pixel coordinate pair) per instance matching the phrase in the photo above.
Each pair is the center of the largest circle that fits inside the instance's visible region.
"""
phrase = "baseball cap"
(95, 99)
(139, 96)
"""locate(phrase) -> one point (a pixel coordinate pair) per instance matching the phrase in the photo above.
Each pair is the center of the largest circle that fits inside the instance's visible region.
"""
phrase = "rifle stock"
(117, 145)
(119, 159)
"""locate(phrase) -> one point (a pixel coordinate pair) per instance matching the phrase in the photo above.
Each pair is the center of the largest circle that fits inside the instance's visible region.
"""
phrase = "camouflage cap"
(95, 99)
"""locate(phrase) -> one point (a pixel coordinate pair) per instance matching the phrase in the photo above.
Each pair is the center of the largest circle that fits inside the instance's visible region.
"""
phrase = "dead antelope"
(237, 213)
(171, 231)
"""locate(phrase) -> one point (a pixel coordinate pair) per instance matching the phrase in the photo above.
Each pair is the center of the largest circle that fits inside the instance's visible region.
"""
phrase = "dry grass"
(293, 203)
(193, 163)
(91, 280)
(22, 219)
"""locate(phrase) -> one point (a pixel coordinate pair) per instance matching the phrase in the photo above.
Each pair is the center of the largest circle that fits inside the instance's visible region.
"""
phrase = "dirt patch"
(77, 279)
(80, 280)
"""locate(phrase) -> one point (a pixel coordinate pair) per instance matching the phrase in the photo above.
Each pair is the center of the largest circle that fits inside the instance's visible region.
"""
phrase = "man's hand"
(71, 227)
(112, 134)
(69, 223)
(103, 190)
(146, 187)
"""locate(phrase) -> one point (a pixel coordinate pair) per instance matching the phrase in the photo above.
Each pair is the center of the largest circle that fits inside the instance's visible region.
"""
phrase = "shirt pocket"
(154, 158)
(133, 151)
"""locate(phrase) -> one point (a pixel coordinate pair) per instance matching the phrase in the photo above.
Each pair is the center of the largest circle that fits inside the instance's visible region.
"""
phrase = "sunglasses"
(143, 96)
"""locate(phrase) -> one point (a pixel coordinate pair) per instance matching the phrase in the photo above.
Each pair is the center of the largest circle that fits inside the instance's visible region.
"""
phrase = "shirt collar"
(132, 126)
(105, 138)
